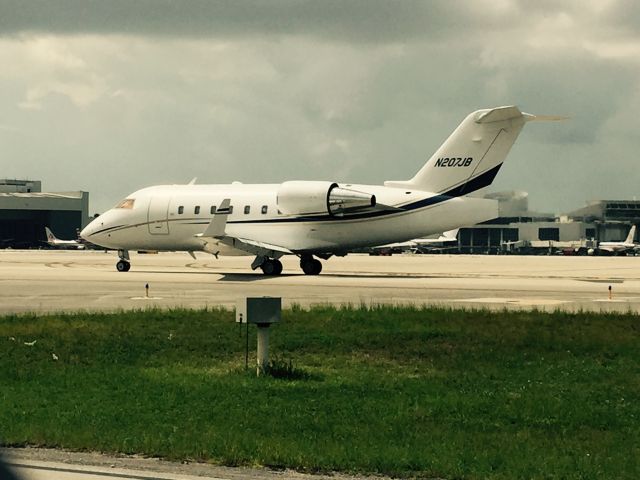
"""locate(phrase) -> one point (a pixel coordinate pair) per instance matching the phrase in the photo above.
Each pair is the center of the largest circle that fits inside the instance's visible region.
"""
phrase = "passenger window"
(264, 209)
(213, 209)
(247, 209)
(196, 210)
(180, 210)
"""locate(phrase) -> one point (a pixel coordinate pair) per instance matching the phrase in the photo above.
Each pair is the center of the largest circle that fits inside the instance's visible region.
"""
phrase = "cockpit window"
(127, 204)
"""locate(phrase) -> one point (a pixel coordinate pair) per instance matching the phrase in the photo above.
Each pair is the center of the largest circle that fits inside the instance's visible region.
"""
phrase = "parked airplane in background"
(621, 247)
(318, 218)
(446, 241)
(57, 243)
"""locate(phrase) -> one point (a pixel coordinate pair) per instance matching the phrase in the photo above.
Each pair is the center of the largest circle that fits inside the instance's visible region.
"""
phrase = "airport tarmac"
(46, 280)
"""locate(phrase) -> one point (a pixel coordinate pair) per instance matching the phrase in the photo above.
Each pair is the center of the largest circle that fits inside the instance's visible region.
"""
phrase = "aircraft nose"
(90, 229)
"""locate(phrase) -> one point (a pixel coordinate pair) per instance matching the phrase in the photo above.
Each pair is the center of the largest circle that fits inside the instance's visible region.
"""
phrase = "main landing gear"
(310, 265)
(273, 266)
(123, 264)
(269, 266)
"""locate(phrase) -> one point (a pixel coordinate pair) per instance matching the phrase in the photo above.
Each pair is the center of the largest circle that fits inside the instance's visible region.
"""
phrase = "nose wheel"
(123, 264)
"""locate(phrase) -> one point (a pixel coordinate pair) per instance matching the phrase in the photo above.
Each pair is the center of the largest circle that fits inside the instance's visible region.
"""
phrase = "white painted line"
(514, 301)
(618, 300)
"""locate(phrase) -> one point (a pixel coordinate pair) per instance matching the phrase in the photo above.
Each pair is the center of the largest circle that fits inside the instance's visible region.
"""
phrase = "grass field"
(399, 391)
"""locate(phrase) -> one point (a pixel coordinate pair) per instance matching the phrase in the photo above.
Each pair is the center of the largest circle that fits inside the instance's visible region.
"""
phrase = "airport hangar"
(25, 210)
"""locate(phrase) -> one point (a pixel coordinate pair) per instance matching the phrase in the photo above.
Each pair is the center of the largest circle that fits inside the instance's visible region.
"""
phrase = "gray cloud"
(113, 96)
(354, 20)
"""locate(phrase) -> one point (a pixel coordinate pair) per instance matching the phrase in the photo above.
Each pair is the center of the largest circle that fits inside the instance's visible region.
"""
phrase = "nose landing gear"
(123, 264)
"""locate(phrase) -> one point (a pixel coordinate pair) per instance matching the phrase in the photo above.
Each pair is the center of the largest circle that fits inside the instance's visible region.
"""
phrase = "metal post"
(246, 350)
(261, 311)
(263, 349)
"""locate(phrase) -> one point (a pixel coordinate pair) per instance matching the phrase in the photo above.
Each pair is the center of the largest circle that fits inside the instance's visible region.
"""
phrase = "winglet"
(219, 221)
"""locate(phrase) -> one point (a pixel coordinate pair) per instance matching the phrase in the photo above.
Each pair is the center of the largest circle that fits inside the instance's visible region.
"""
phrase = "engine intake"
(321, 198)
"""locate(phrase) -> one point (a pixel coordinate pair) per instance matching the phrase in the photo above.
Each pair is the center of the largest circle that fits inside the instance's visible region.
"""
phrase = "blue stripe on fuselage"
(483, 180)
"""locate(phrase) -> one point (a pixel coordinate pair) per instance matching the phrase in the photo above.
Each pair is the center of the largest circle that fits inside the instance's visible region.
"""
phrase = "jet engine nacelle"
(321, 198)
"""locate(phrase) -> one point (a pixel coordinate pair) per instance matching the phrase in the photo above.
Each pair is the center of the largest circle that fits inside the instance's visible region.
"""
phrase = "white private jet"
(620, 247)
(446, 240)
(57, 243)
(318, 218)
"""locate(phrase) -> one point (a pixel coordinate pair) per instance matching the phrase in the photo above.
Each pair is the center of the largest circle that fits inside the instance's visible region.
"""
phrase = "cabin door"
(158, 216)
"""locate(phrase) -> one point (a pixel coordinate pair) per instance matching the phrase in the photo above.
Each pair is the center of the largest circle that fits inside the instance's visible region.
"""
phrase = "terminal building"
(519, 229)
(25, 210)
(610, 218)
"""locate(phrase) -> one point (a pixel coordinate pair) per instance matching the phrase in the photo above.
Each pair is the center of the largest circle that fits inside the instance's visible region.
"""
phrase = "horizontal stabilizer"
(544, 118)
(499, 114)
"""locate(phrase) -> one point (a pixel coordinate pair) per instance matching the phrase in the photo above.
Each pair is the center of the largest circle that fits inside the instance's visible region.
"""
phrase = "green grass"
(399, 391)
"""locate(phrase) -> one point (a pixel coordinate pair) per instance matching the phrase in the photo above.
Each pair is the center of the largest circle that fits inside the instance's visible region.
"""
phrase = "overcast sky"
(112, 96)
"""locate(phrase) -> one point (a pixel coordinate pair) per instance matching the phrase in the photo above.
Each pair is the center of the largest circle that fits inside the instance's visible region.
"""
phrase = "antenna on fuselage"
(193, 181)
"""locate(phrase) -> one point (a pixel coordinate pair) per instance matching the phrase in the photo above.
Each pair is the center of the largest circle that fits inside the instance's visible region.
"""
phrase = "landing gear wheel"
(311, 266)
(278, 265)
(271, 267)
(123, 266)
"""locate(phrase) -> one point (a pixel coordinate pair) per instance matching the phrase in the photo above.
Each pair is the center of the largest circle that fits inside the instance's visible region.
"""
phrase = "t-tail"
(471, 157)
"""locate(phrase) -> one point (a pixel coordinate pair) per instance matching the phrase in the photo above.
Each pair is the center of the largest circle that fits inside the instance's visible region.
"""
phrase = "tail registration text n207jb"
(318, 219)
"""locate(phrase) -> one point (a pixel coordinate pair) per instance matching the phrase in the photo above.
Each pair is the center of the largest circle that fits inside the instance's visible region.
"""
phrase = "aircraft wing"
(256, 247)
(216, 232)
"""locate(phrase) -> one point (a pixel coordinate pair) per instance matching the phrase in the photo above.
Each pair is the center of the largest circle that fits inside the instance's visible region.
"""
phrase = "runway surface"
(48, 280)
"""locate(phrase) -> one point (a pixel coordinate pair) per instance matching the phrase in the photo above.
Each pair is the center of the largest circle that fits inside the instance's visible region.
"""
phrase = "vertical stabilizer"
(472, 155)
(632, 234)
(51, 238)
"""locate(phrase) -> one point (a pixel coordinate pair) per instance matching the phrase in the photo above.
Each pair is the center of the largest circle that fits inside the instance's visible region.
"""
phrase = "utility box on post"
(261, 311)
